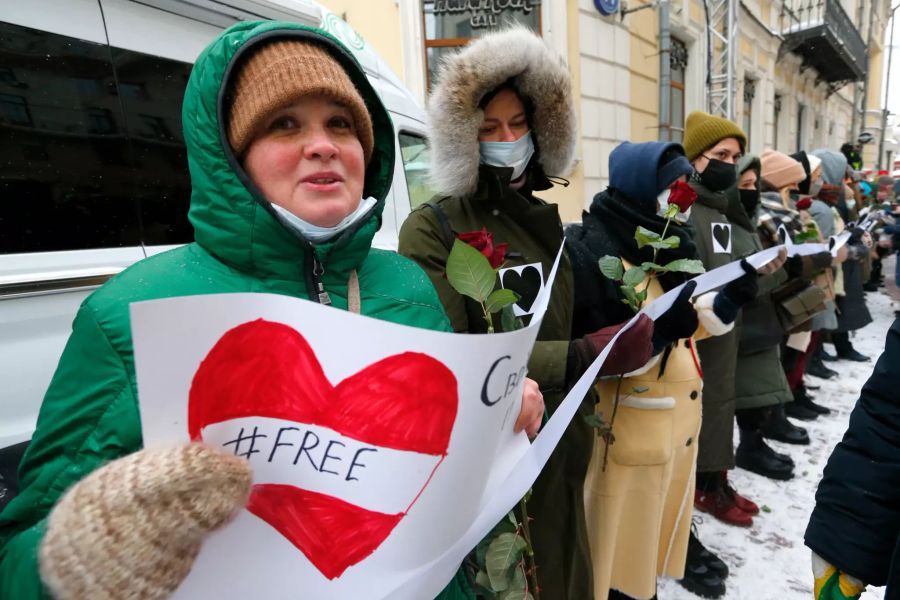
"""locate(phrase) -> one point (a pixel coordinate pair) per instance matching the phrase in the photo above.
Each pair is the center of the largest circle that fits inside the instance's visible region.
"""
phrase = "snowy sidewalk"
(768, 561)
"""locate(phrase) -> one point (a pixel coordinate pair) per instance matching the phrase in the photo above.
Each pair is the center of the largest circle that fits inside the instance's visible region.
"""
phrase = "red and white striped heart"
(336, 468)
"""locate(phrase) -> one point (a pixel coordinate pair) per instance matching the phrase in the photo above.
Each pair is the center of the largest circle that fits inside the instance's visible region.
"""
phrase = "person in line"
(854, 529)
(640, 487)
(760, 383)
(502, 122)
(290, 153)
(713, 145)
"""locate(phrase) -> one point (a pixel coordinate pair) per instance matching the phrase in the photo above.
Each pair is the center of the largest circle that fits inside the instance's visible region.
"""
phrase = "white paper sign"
(372, 444)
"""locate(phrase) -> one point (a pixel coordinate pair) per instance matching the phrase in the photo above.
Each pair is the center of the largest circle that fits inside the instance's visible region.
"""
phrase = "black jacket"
(856, 522)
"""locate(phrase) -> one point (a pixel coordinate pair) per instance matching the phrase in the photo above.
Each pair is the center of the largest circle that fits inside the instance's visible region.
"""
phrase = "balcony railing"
(822, 33)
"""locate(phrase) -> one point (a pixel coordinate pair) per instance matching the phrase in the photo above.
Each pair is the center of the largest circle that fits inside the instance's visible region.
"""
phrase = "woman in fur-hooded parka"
(472, 196)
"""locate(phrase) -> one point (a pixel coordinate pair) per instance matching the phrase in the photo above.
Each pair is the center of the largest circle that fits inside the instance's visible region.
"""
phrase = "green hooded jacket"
(90, 412)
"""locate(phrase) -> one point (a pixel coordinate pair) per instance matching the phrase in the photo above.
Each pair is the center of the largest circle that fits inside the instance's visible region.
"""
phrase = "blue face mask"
(508, 154)
(317, 234)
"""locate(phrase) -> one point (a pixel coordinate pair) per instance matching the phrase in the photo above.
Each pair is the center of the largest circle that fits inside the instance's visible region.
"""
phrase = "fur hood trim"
(464, 78)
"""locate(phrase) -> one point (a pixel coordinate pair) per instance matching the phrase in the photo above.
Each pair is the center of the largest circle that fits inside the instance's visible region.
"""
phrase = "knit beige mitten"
(132, 528)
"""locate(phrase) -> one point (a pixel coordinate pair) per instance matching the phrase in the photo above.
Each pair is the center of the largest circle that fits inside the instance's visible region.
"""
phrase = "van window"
(65, 174)
(416, 160)
(151, 90)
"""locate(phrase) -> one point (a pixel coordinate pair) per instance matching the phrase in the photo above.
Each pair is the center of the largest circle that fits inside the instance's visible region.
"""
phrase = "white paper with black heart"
(372, 444)
(721, 238)
(525, 280)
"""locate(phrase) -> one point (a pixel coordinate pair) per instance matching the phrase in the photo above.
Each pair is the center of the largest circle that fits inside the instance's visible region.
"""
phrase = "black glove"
(677, 323)
(736, 294)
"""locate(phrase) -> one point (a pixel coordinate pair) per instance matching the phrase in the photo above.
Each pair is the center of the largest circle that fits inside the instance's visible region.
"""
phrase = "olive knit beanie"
(780, 170)
(278, 74)
(703, 130)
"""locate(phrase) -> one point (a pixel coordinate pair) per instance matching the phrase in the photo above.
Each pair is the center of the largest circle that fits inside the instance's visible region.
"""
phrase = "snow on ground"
(768, 560)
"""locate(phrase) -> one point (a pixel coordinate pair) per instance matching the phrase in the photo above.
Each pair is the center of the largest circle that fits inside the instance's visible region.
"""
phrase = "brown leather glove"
(632, 350)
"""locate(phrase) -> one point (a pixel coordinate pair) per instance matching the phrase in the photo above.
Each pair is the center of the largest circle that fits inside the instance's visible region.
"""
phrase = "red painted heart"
(405, 402)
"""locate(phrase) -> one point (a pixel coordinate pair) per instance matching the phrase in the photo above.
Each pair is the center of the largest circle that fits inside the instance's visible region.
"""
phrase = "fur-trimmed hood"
(538, 73)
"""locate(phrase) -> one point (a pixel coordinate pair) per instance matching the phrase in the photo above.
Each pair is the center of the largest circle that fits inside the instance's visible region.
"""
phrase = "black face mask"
(750, 200)
(718, 176)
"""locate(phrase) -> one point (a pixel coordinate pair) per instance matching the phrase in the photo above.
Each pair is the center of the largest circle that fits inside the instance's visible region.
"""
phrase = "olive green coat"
(533, 230)
(718, 355)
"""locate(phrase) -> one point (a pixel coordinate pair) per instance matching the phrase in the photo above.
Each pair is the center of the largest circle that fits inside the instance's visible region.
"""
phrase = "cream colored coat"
(639, 509)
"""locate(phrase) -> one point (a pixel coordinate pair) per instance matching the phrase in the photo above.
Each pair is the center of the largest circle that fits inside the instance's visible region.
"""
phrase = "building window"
(678, 59)
(450, 24)
(100, 120)
(14, 109)
(416, 161)
(749, 94)
(776, 107)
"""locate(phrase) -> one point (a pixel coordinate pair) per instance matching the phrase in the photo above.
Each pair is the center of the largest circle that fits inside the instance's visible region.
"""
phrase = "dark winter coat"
(472, 197)
(759, 379)
(855, 524)
(714, 237)
(853, 313)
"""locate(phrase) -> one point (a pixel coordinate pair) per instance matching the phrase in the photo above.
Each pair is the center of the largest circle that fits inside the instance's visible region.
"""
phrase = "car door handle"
(54, 282)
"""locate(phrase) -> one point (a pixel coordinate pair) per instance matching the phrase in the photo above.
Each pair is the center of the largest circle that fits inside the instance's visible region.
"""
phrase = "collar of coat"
(454, 117)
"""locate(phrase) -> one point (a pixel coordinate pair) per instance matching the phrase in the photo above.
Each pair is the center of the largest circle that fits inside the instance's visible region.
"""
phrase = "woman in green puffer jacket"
(291, 154)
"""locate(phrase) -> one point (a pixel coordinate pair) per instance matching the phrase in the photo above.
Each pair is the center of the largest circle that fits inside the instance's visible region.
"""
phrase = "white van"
(93, 171)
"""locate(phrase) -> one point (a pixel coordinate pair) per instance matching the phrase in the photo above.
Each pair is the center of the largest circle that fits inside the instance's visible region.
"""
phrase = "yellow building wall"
(570, 198)
(378, 22)
(644, 68)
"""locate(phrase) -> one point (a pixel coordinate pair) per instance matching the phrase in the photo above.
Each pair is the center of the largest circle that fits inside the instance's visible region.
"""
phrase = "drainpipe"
(665, 72)
(887, 90)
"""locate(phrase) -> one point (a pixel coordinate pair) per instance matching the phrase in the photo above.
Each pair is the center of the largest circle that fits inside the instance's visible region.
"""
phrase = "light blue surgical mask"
(851, 204)
(508, 154)
(317, 234)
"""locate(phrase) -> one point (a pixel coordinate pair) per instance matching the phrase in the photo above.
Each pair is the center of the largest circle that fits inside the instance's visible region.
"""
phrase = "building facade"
(795, 74)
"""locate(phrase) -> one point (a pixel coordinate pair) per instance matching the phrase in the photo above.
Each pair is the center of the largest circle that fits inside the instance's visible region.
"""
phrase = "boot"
(817, 368)
(853, 355)
(699, 576)
(722, 506)
(745, 504)
(780, 429)
(827, 357)
(797, 411)
(754, 455)
(698, 553)
(802, 398)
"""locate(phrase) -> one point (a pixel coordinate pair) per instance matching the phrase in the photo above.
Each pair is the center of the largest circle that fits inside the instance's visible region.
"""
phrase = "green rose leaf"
(630, 296)
(686, 265)
(642, 295)
(483, 581)
(596, 421)
(499, 299)
(508, 319)
(505, 551)
(518, 586)
(645, 237)
(612, 268)
(469, 272)
(650, 266)
(639, 389)
(633, 276)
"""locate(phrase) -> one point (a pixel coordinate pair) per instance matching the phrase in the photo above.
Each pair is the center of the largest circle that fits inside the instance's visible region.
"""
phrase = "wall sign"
(485, 13)
(607, 7)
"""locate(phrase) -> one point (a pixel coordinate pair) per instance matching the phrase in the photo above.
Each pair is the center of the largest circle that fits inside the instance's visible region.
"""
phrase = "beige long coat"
(639, 509)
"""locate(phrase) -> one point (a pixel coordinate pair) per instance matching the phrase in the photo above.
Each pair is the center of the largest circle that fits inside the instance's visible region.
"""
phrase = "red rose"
(804, 203)
(483, 241)
(682, 195)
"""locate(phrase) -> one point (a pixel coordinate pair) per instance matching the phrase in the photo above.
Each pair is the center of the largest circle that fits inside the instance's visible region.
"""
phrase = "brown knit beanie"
(703, 130)
(279, 73)
(780, 170)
